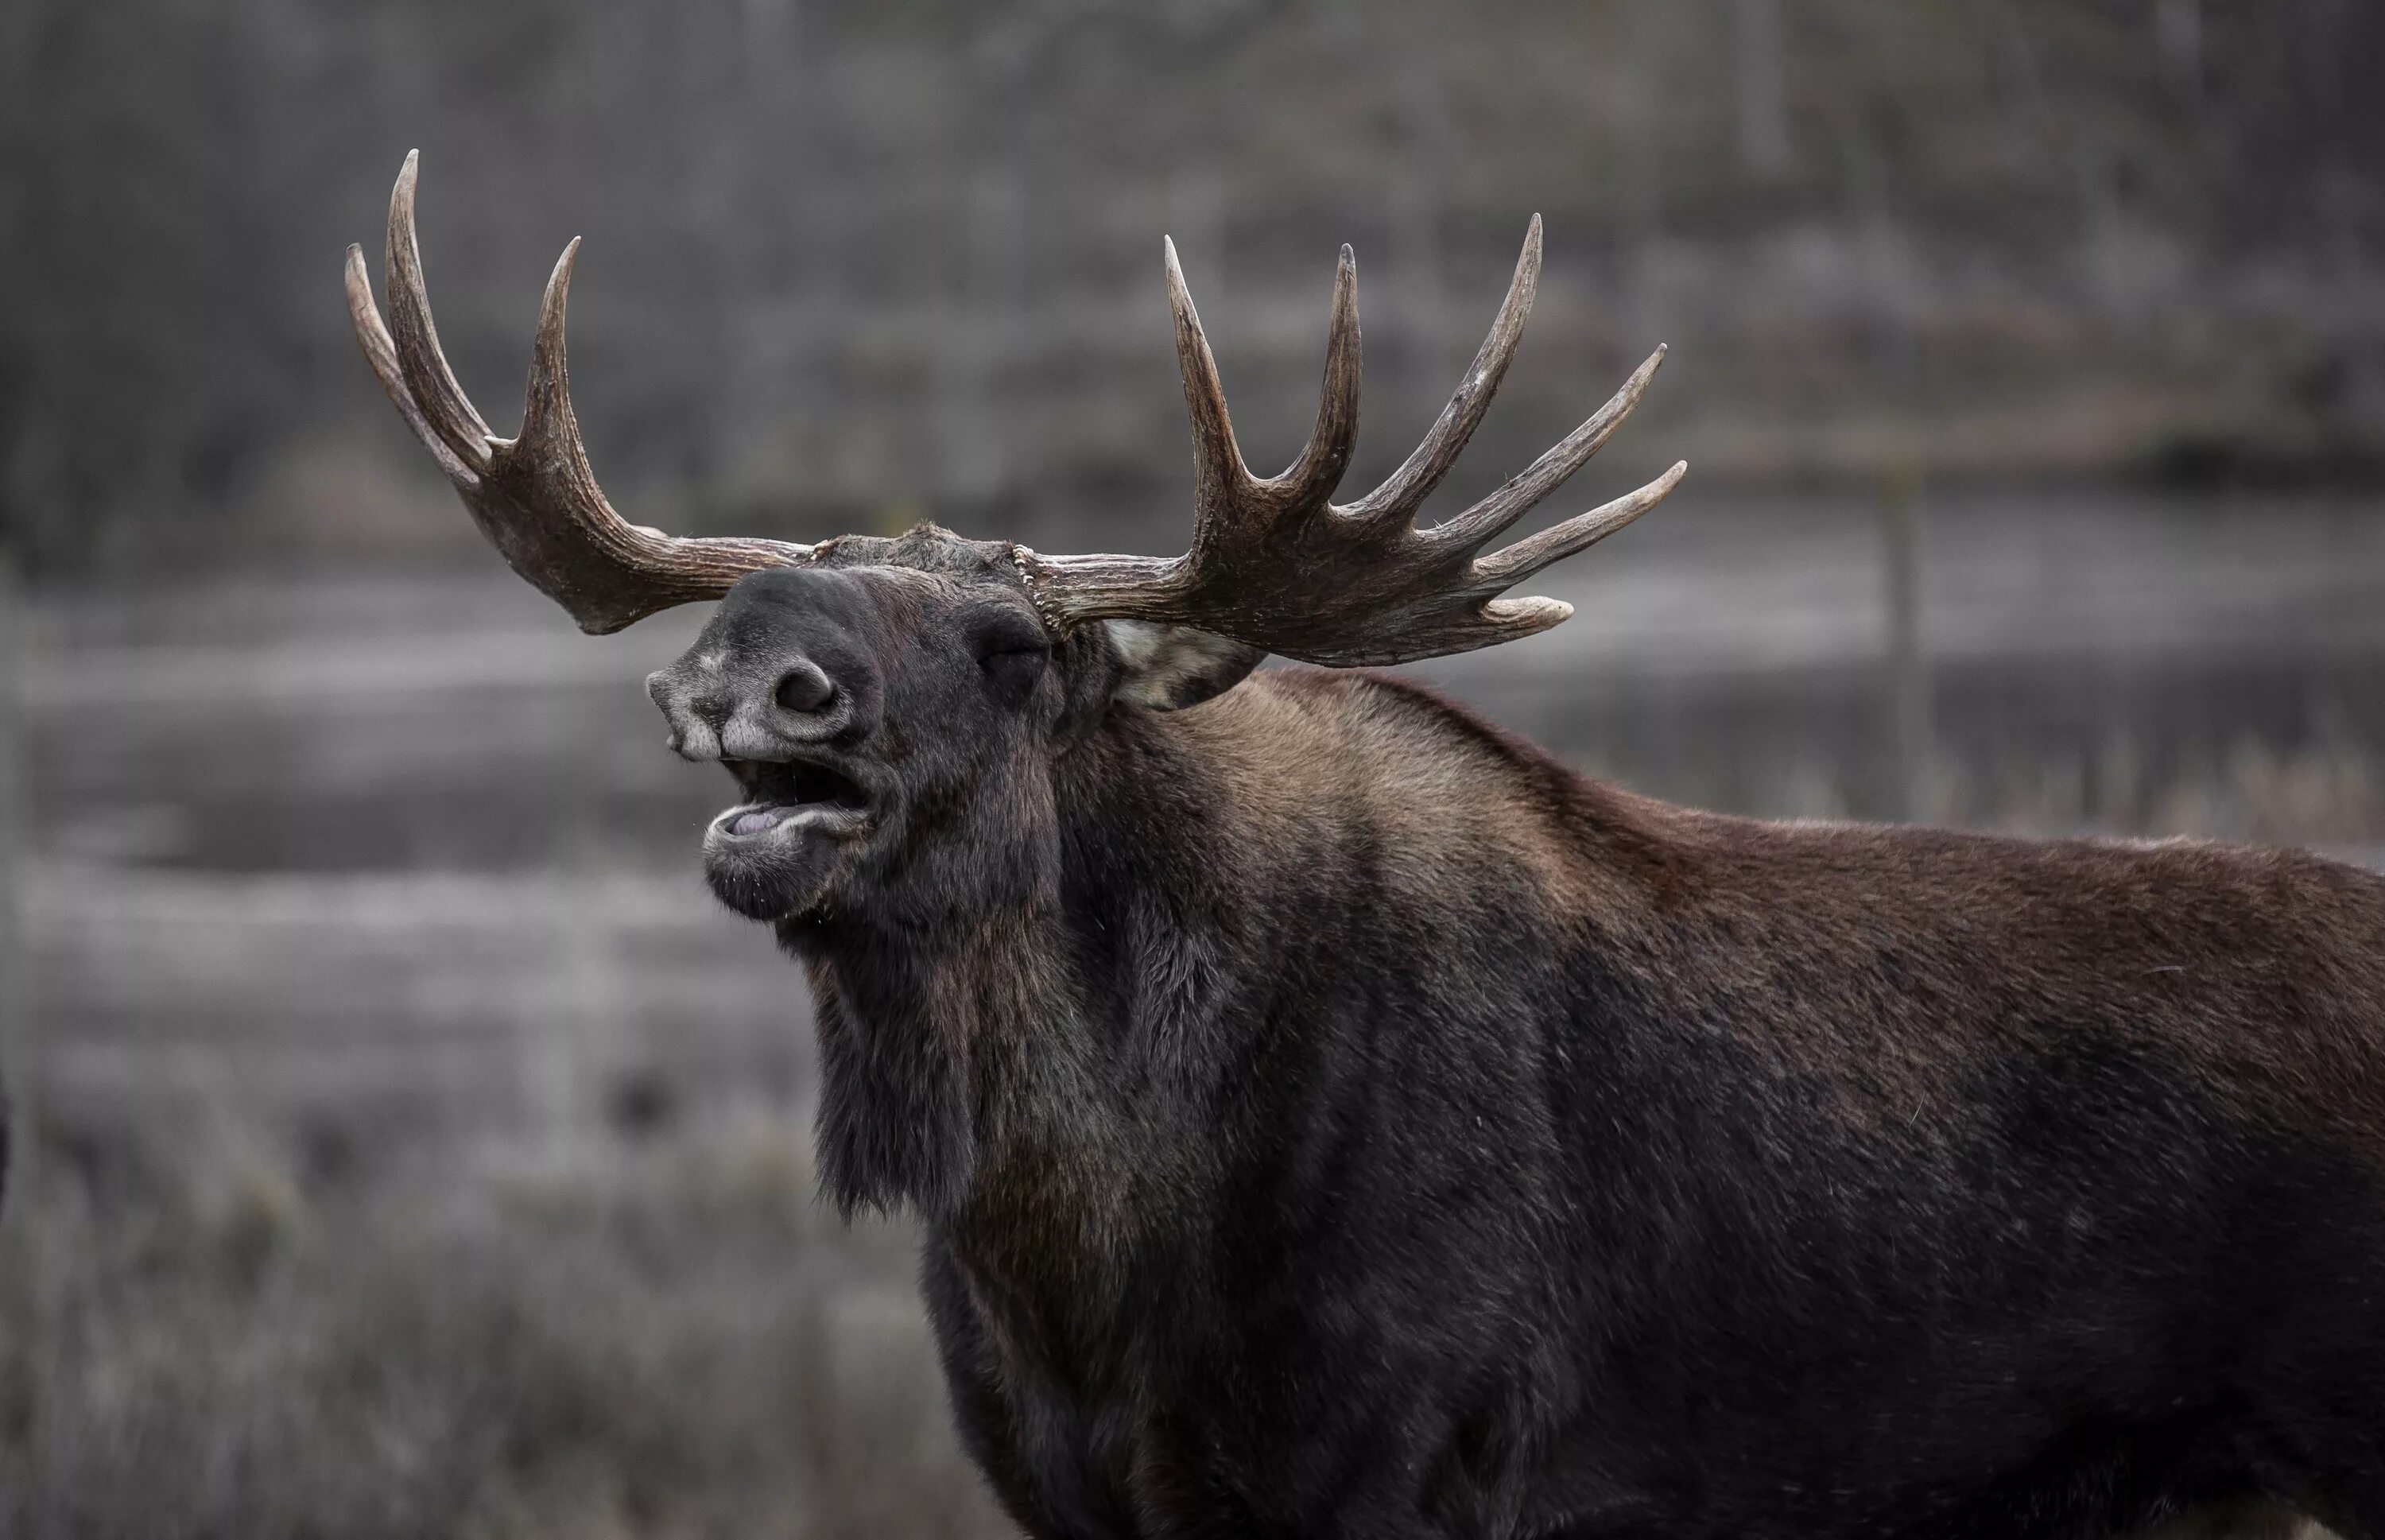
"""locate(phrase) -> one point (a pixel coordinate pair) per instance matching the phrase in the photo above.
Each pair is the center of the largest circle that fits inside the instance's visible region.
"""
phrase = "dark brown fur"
(1333, 1115)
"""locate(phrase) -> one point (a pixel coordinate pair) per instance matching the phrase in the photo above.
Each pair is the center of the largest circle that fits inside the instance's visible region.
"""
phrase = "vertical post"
(1641, 193)
(1644, 169)
(1415, 215)
(1762, 96)
(2177, 37)
(24, 1300)
(1911, 726)
(19, 1075)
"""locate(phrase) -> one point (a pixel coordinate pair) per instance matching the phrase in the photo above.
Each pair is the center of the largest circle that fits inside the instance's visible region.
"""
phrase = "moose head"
(890, 709)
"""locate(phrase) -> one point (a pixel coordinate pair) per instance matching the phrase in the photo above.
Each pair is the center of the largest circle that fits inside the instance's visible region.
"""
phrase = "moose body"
(1376, 1129)
(1330, 1115)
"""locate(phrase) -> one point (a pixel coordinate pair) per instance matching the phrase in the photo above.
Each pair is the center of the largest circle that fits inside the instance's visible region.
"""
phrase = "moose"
(1329, 1114)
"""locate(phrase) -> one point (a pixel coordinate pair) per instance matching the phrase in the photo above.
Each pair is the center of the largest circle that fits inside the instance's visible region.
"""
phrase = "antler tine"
(1326, 457)
(1491, 516)
(1513, 619)
(550, 431)
(1396, 501)
(547, 416)
(534, 496)
(438, 396)
(550, 449)
(1222, 483)
(1513, 564)
(380, 351)
(1224, 488)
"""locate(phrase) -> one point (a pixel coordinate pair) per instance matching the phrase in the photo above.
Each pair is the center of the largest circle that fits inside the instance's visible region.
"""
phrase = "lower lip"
(761, 819)
(756, 823)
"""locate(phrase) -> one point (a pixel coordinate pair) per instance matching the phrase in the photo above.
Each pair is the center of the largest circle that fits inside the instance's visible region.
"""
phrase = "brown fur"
(1331, 1114)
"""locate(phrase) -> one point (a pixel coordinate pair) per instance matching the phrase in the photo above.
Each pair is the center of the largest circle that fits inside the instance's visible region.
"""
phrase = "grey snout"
(787, 665)
(724, 707)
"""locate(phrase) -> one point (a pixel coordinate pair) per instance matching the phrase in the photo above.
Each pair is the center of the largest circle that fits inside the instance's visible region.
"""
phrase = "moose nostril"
(805, 688)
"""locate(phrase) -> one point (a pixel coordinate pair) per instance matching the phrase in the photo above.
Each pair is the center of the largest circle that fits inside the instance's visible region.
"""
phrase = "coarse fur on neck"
(981, 1060)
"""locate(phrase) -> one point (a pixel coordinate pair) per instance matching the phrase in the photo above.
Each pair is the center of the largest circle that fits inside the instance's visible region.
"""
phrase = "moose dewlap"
(1330, 1115)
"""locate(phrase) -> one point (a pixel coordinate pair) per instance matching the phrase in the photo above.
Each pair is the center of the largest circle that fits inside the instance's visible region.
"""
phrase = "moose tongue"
(757, 820)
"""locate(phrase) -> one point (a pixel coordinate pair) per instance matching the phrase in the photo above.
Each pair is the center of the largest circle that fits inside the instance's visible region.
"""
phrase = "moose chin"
(1331, 1115)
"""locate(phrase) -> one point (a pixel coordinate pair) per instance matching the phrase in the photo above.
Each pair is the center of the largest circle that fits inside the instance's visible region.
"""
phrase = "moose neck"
(1009, 1055)
(1083, 1042)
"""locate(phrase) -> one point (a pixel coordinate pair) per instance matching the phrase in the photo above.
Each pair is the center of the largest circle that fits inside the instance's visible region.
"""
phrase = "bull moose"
(1329, 1114)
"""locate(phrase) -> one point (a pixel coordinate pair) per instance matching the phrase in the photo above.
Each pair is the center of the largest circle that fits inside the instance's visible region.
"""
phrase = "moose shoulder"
(1331, 1114)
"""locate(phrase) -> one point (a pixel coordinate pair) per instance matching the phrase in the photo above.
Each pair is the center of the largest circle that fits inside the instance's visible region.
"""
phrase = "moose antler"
(1277, 564)
(1274, 563)
(533, 495)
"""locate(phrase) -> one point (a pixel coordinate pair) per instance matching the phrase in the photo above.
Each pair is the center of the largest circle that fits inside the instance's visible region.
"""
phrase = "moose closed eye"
(1011, 651)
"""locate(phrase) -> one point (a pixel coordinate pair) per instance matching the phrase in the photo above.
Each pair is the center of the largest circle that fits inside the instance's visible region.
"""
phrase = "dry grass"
(677, 1343)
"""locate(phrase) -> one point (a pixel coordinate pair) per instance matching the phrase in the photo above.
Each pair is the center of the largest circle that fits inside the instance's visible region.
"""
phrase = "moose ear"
(1167, 668)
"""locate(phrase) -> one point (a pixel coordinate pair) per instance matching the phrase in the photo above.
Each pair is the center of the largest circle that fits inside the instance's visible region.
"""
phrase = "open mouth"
(788, 794)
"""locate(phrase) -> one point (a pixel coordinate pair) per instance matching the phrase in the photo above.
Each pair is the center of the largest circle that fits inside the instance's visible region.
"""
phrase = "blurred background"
(408, 1146)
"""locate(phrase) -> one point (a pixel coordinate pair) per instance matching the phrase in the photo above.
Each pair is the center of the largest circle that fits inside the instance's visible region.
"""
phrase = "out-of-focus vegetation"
(676, 1343)
(848, 263)
(407, 1145)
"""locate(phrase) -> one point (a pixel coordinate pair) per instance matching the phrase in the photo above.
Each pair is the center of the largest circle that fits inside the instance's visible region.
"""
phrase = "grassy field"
(667, 1339)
